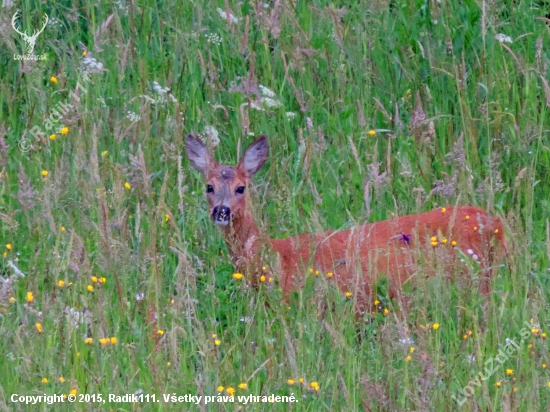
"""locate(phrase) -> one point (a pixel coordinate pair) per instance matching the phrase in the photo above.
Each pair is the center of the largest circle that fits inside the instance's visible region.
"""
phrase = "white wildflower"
(140, 296)
(232, 18)
(264, 91)
(290, 115)
(54, 22)
(163, 94)
(501, 37)
(147, 98)
(408, 341)
(470, 251)
(74, 317)
(133, 117)
(211, 135)
(213, 38)
(122, 7)
(91, 65)
(269, 102)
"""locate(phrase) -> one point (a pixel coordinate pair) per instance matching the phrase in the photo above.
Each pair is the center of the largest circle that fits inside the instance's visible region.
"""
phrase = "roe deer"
(422, 244)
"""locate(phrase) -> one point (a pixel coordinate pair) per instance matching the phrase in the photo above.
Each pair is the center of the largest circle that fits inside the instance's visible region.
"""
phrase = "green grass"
(430, 78)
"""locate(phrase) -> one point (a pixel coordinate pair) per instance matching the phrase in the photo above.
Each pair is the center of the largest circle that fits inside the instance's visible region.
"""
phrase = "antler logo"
(29, 40)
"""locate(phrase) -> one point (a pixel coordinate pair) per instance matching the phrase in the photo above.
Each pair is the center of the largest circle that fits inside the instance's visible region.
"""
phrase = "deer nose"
(221, 214)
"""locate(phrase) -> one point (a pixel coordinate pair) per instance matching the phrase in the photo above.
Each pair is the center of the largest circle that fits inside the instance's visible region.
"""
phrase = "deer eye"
(209, 189)
(240, 190)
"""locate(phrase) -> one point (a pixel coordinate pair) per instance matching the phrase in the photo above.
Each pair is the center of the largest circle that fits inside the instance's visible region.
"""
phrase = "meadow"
(114, 278)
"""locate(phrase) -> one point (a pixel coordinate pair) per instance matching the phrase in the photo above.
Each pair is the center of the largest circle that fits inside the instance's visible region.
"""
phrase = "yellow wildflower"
(453, 243)
(30, 297)
(73, 392)
(290, 381)
(330, 274)
(61, 379)
(61, 283)
(230, 391)
(408, 358)
(160, 332)
(90, 288)
(315, 386)
(237, 276)
(220, 388)
(45, 173)
(372, 133)
(443, 210)
(94, 279)
(435, 326)
(38, 327)
(104, 153)
(127, 185)
(243, 385)
(102, 280)
(262, 278)
(509, 372)
(88, 341)
(411, 349)
(65, 130)
(348, 294)
(84, 53)
(53, 79)
(467, 217)
(12, 299)
(45, 380)
(217, 342)
(104, 341)
(113, 341)
(52, 137)
(498, 384)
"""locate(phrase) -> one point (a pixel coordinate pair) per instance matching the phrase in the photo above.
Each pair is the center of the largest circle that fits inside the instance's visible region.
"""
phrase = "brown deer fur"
(401, 247)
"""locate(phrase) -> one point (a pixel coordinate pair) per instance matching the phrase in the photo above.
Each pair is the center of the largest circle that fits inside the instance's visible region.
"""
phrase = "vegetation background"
(373, 109)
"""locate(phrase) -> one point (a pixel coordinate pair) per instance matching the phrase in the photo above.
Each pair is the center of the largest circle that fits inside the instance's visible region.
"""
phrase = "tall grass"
(379, 109)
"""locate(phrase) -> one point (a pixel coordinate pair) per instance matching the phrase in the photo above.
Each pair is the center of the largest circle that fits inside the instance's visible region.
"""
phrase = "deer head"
(226, 185)
(29, 40)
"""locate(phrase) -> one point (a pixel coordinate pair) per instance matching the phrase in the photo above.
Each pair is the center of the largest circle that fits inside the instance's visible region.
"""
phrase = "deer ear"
(198, 154)
(255, 156)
